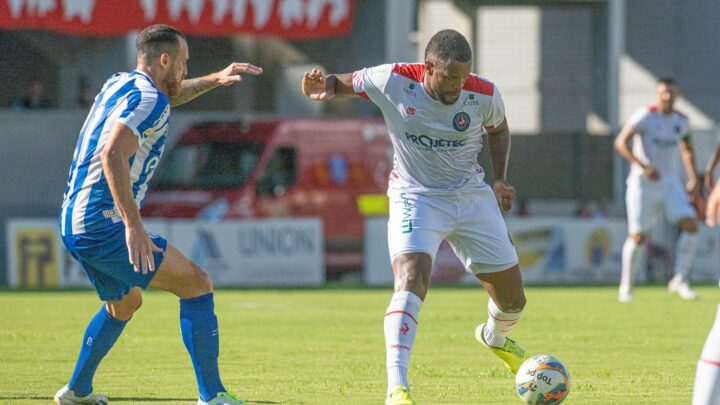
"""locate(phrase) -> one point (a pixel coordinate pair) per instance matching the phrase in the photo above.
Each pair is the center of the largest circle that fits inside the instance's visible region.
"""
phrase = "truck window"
(279, 174)
(214, 166)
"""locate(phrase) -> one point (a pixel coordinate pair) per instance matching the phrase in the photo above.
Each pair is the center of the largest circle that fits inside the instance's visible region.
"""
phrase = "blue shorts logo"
(461, 121)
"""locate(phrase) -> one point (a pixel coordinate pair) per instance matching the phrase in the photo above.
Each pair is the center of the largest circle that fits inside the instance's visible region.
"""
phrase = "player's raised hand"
(316, 86)
(233, 73)
(712, 209)
(140, 249)
(504, 193)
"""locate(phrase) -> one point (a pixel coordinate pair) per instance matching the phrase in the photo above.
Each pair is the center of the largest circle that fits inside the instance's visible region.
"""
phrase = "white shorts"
(647, 201)
(470, 221)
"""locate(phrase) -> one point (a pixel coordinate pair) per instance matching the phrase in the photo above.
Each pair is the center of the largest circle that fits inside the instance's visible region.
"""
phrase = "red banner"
(291, 19)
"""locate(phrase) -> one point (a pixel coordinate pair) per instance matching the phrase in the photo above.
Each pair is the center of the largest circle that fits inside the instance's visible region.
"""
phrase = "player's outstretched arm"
(499, 147)
(316, 86)
(115, 157)
(192, 88)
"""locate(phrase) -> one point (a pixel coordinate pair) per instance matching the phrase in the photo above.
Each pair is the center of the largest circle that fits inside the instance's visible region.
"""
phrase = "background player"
(650, 141)
(435, 113)
(117, 152)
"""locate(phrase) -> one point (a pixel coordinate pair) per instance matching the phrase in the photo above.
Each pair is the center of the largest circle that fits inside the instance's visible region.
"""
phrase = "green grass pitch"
(326, 346)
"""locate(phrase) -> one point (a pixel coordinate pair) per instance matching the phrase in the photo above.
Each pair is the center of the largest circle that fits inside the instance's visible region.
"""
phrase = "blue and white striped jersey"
(133, 100)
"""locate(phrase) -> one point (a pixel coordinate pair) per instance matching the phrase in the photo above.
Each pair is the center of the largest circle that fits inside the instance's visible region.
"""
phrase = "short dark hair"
(448, 45)
(157, 39)
(669, 81)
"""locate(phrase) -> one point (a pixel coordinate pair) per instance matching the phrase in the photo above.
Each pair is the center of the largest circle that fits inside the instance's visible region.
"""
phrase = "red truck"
(335, 169)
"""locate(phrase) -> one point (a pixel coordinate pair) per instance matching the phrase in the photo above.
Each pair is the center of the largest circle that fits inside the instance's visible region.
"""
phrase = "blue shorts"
(104, 257)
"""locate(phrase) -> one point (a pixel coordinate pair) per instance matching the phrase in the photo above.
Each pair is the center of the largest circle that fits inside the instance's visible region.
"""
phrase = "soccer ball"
(542, 379)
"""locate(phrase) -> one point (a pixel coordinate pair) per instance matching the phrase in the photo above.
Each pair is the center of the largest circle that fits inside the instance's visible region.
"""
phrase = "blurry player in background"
(436, 112)
(117, 152)
(707, 375)
(650, 141)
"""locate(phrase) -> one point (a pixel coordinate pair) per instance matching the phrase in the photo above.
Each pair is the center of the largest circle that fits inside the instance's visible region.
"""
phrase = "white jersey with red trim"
(436, 145)
(656, 141)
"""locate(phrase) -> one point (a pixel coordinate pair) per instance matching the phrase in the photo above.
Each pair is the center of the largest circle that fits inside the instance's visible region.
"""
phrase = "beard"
(448, 99)
(173, 87)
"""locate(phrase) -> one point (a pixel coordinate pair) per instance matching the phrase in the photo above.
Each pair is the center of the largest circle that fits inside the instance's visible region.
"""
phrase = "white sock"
(630, 261)
(685, 254)
(707, 377)
(499, 324)
(401, 321)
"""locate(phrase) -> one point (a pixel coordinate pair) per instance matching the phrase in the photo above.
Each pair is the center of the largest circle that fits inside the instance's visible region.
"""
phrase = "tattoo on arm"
(192, 88)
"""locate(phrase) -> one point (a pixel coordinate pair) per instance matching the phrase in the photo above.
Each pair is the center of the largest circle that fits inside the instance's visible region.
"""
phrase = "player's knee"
(124, 309)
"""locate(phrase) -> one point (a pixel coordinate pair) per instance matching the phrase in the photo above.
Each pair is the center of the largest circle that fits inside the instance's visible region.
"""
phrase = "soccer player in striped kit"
(436, 113)
(653, 140)
(117, 152)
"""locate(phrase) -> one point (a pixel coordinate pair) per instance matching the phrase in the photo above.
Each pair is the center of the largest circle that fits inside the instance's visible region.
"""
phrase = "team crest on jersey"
(461, 121)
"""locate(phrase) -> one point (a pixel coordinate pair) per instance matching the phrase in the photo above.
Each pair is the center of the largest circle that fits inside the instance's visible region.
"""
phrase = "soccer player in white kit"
(436, 113)
(650, 141)
(707, 375)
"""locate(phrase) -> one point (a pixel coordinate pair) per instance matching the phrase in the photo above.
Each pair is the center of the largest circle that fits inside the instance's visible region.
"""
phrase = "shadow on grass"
(133, 399)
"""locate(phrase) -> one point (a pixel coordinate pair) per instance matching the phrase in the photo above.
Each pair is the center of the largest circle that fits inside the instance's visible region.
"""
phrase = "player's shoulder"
(480, 85)
(146, 89)
(680, 115)
(412, 71)
(644, 111)
(142, 82)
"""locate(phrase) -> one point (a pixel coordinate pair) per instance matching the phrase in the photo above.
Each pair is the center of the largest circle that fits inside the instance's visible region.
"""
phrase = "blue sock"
(200, 334)
(100, 335)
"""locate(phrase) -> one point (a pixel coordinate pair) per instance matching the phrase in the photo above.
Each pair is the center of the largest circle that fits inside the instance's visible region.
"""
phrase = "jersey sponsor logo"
(664, 143)
(410, 111)
(434, 143)
(410, 90)
(471, 101)
(159, 123)
(461, 121)
(151, 164)
(111, 214)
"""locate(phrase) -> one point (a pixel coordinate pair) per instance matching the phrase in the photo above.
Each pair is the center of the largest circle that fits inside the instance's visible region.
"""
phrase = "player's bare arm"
(623, 148)
(687, 153)
(192, 88)
(317, 86)
(710, 168)
(115, 157)
(499, 147)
